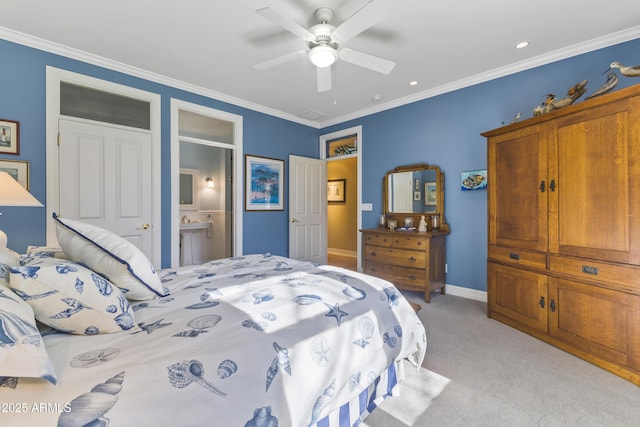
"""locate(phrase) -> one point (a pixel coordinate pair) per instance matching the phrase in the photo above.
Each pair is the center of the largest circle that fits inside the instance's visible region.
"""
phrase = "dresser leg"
(427, 296)
(442, 291)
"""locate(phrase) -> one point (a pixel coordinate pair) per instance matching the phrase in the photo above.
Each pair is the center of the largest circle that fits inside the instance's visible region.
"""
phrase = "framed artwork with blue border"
(473, 180)
(264, 184)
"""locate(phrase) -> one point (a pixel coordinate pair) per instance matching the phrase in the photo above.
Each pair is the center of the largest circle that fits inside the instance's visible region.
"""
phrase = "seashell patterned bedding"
(257, 340)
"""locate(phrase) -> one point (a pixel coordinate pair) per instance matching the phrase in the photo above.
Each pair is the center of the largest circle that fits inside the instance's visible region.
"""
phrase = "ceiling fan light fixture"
(323, 56)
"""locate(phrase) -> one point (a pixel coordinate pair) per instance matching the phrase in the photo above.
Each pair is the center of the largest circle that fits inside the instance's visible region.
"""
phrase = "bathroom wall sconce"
(209, 181)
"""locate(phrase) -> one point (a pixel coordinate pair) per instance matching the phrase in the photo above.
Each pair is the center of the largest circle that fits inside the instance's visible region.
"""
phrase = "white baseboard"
(459, 291)
(343, 252)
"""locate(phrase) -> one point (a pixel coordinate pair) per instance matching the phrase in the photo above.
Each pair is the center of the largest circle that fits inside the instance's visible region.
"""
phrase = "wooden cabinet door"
(598, 321)
(518, 297)
(518, 189)
(594, 211)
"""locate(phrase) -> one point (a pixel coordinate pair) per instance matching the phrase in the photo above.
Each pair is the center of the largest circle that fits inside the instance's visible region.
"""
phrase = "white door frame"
(356, 130)
(238, 179)
(54, 77)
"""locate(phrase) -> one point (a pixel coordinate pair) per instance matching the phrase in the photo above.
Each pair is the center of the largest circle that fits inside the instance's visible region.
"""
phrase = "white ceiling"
(210, 46)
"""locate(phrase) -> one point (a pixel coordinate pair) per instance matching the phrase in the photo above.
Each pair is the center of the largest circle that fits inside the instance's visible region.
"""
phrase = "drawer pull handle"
(412, 259)
(373, 253)
(514, 256)
(552, 305)
(587, 269)
(412, 277)
(541, 302)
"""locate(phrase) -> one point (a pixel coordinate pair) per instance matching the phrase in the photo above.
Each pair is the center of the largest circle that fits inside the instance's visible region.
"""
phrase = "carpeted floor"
(479, 372)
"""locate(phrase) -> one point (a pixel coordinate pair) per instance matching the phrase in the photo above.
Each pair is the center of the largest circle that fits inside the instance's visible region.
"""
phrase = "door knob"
(144, 227)
(294, 220)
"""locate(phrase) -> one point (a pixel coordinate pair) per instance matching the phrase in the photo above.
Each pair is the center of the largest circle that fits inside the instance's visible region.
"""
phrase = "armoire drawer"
(518, 257)
(622, 277)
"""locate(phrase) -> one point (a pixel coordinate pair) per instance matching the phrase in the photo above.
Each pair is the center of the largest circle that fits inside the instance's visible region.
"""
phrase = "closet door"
(595, 208)
(518, 189)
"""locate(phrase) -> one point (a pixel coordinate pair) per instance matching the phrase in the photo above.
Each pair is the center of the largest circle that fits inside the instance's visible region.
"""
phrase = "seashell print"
(281, 361)
(74, 307)
(322, 401)
(166, 300)
(191, 333)
(92, 330)
(28, 272)
(227, 368)
(389, 340)
(94, 358)
(8, 382)
(335, 311)
(205, 275)
(79, 285)
(104, 287)
(28, 297)
(398, 330)
(262, 295)
(361, 342)
(366, 327)
(196, 286)
(307, 299)
(89, 408)
(111, 309)
(204, 322)
(262, 418)
(355, 293)
(267, 315)
(65, 269)
(255, 325)
(206, 304)
(185, 373)
(320, 351)
(354, 380)
(391, 297)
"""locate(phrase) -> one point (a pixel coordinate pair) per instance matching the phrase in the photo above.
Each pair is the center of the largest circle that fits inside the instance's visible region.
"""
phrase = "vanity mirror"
(188, 193)
(413, 191)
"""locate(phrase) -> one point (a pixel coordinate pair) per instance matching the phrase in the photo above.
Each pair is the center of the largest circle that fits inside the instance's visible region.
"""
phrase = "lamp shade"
(14, 194)
(323, 56)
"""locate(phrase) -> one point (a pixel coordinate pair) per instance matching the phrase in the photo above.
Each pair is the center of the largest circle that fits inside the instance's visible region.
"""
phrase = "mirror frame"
(400, 216)
(194, 206)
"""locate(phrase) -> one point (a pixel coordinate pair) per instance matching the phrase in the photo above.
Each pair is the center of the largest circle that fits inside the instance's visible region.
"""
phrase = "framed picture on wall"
(9, 137)
(430, 194)
(473, 180)
(264, 186)
(18, 169)
(336, 190)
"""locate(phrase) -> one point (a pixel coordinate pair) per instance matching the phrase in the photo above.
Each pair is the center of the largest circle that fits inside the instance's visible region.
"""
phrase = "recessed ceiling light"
(413, 83)
(522, 45)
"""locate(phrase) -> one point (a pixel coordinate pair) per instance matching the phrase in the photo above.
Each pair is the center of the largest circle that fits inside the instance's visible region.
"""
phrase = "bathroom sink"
(194, 225)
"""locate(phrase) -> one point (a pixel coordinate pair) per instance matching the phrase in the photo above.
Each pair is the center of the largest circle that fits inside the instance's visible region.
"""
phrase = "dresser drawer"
(402, 277)
(518, 257)
(410, 242)
(378, 239)
(399, 257)
(622, 277)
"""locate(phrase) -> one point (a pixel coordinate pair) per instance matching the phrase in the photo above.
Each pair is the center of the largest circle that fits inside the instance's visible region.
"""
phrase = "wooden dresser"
(564, 229)
(410, 260)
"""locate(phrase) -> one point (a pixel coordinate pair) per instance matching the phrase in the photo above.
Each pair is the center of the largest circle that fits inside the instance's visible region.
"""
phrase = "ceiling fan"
(324, 42)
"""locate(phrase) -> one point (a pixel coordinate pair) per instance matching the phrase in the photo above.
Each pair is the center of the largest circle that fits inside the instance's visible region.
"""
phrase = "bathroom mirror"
(188, 189)
(412, 191)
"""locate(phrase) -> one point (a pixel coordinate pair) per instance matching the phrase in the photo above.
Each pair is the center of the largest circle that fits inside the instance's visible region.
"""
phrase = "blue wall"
(443, 130)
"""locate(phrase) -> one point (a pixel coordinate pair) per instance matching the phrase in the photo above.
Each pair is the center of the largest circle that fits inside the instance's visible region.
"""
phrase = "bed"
(258, 340)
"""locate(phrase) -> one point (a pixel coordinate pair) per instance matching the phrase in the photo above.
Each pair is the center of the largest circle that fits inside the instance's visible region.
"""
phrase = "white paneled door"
(308, 209)
(105, 179)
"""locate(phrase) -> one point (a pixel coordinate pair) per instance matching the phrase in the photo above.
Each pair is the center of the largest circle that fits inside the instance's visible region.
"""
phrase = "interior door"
(105, 179)
(308, 209)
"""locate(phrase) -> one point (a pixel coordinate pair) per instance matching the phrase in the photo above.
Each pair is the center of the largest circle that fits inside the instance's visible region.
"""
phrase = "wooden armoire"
(564, 229)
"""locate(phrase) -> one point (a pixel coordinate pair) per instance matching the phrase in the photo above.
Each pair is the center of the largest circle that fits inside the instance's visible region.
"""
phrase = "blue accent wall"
(443, 130)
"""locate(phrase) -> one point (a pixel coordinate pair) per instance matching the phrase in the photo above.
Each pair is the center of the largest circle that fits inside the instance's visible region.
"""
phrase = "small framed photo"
(473, 180)
(336, 190)
(264, 186)
(430, 194)
(417, 195)
(18, 169)
(9, 137)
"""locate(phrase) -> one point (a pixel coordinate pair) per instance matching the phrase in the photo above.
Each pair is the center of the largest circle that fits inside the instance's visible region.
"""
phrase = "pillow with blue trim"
(71, 298)
(22, 350)
(114, 257)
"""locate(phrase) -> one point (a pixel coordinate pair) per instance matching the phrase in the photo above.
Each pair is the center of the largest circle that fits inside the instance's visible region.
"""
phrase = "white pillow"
(9, 257)
(71, 298)
(110, 255)
(22, 350)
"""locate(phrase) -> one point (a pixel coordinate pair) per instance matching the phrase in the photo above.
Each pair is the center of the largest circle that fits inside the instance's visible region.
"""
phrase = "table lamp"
(13, 194)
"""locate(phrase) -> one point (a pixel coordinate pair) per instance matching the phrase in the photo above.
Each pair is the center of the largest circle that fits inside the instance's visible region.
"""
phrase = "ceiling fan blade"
(280, 60)
(324, 79)
(365, 60)
(369, 15)
(285, 23)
